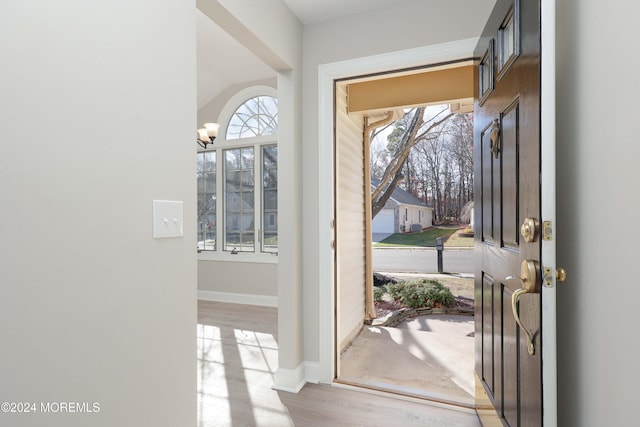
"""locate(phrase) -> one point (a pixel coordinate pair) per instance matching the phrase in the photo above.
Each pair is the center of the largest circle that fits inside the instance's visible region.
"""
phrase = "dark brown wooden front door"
(507, 165)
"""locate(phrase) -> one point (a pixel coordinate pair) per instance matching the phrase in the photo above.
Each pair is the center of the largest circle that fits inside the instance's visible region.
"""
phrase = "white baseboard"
(312, 372)
(292, 380)
(234, 298)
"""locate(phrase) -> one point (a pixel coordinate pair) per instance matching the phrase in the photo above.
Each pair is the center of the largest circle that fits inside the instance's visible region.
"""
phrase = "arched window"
(237, 177)
(257, 116)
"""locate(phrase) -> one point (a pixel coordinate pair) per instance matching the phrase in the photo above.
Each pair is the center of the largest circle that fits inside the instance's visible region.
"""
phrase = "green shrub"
(378, 293)
(395, 290)
(421, 293)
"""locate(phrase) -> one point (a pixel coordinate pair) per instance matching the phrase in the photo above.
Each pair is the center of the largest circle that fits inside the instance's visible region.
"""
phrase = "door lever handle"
(530, 278)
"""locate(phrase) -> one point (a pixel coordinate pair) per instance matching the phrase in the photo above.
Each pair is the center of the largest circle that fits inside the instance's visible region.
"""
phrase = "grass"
(427, 238)
(456, 240)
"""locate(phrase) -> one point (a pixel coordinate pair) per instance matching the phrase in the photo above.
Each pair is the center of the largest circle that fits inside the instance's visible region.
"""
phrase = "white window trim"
(220, 144)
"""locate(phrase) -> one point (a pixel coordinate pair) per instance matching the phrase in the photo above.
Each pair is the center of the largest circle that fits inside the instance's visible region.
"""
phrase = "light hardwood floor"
(237, 360)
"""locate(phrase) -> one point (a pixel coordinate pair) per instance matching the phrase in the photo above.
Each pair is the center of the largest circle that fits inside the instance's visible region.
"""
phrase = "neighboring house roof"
(399, 196)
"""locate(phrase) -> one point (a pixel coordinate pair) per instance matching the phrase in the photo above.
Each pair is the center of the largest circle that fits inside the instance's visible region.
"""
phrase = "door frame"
(548, 208)
(327, 74)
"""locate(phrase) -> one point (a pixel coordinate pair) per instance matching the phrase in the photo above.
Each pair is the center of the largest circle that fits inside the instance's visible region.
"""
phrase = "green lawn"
(427, 238)
(457, 240)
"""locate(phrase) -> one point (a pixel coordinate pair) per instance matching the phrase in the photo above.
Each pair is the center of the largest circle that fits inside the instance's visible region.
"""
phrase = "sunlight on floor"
(235, 373)
(237, 352)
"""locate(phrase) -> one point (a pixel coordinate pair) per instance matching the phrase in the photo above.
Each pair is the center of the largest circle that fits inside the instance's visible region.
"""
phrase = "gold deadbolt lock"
(530, 229)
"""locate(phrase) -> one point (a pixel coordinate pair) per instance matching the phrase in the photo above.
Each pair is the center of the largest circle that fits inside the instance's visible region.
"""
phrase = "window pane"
(247, 182)
(484, 78)
(207, 201)
(506, 42)
(485, 73)
(257, 116)
(270, 198)
(239, 195)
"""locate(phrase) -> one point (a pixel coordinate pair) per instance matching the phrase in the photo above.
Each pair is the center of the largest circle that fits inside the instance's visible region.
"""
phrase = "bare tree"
(379, 159)
(431, 158)
(411, 129)
(461, 149)
(447, 168)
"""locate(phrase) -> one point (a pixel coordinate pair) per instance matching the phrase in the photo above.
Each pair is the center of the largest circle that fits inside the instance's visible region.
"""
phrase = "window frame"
(240, 190)
(220, 145)
(215, 197)
(505, 62)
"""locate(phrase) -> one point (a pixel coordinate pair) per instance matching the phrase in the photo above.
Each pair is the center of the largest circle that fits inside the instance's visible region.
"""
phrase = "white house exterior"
(403, 213)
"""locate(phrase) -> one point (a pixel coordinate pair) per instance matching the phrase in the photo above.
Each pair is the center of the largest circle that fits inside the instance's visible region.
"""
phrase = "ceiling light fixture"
(207, 134)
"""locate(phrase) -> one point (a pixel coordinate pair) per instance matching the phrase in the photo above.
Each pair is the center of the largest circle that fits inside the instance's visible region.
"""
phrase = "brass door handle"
(530, 278)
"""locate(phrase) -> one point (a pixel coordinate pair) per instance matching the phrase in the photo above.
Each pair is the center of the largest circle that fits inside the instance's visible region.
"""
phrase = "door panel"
(510, 173)
(507, 158)
(488, 326)
(511, 363)
(486, 194)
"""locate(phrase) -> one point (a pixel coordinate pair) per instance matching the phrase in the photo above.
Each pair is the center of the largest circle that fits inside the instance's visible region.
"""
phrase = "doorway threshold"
(408, 393)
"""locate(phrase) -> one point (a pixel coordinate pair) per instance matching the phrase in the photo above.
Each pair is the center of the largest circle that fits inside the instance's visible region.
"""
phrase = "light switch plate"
(167, 219)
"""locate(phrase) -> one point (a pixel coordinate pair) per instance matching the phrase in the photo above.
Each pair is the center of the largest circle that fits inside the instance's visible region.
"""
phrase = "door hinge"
(547, 230)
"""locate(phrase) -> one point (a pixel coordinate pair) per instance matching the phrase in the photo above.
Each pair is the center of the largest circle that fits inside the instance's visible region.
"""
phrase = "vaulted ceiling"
(222, 61)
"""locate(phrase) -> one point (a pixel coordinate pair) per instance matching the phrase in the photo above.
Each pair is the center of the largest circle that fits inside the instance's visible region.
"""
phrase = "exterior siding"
(350, 223)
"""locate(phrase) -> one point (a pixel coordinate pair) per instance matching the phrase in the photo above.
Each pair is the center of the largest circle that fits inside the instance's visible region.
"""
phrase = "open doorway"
(392, 345)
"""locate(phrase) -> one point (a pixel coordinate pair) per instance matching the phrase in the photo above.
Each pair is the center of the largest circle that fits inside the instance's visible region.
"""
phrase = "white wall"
(251, 279)
(410, 24)
(415, 215)
(98, 112)
(598, 233)
(275, 31)
(426, 217)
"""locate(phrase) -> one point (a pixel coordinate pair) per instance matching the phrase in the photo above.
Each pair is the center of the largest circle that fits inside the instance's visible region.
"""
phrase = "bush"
(421, 293)
(378, 293)
(395, 290)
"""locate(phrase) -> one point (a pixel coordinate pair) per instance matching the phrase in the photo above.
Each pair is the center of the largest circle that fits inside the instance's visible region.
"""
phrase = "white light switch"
(167, 219)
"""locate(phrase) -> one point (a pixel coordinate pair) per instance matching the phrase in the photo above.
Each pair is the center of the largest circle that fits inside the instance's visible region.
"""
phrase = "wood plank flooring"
(237, 360)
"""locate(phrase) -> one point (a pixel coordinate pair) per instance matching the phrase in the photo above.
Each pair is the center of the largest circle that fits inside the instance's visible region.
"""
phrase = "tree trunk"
(378, 204)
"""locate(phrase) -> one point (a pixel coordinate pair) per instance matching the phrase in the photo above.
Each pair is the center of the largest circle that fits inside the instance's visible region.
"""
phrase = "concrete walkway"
(430, 356)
